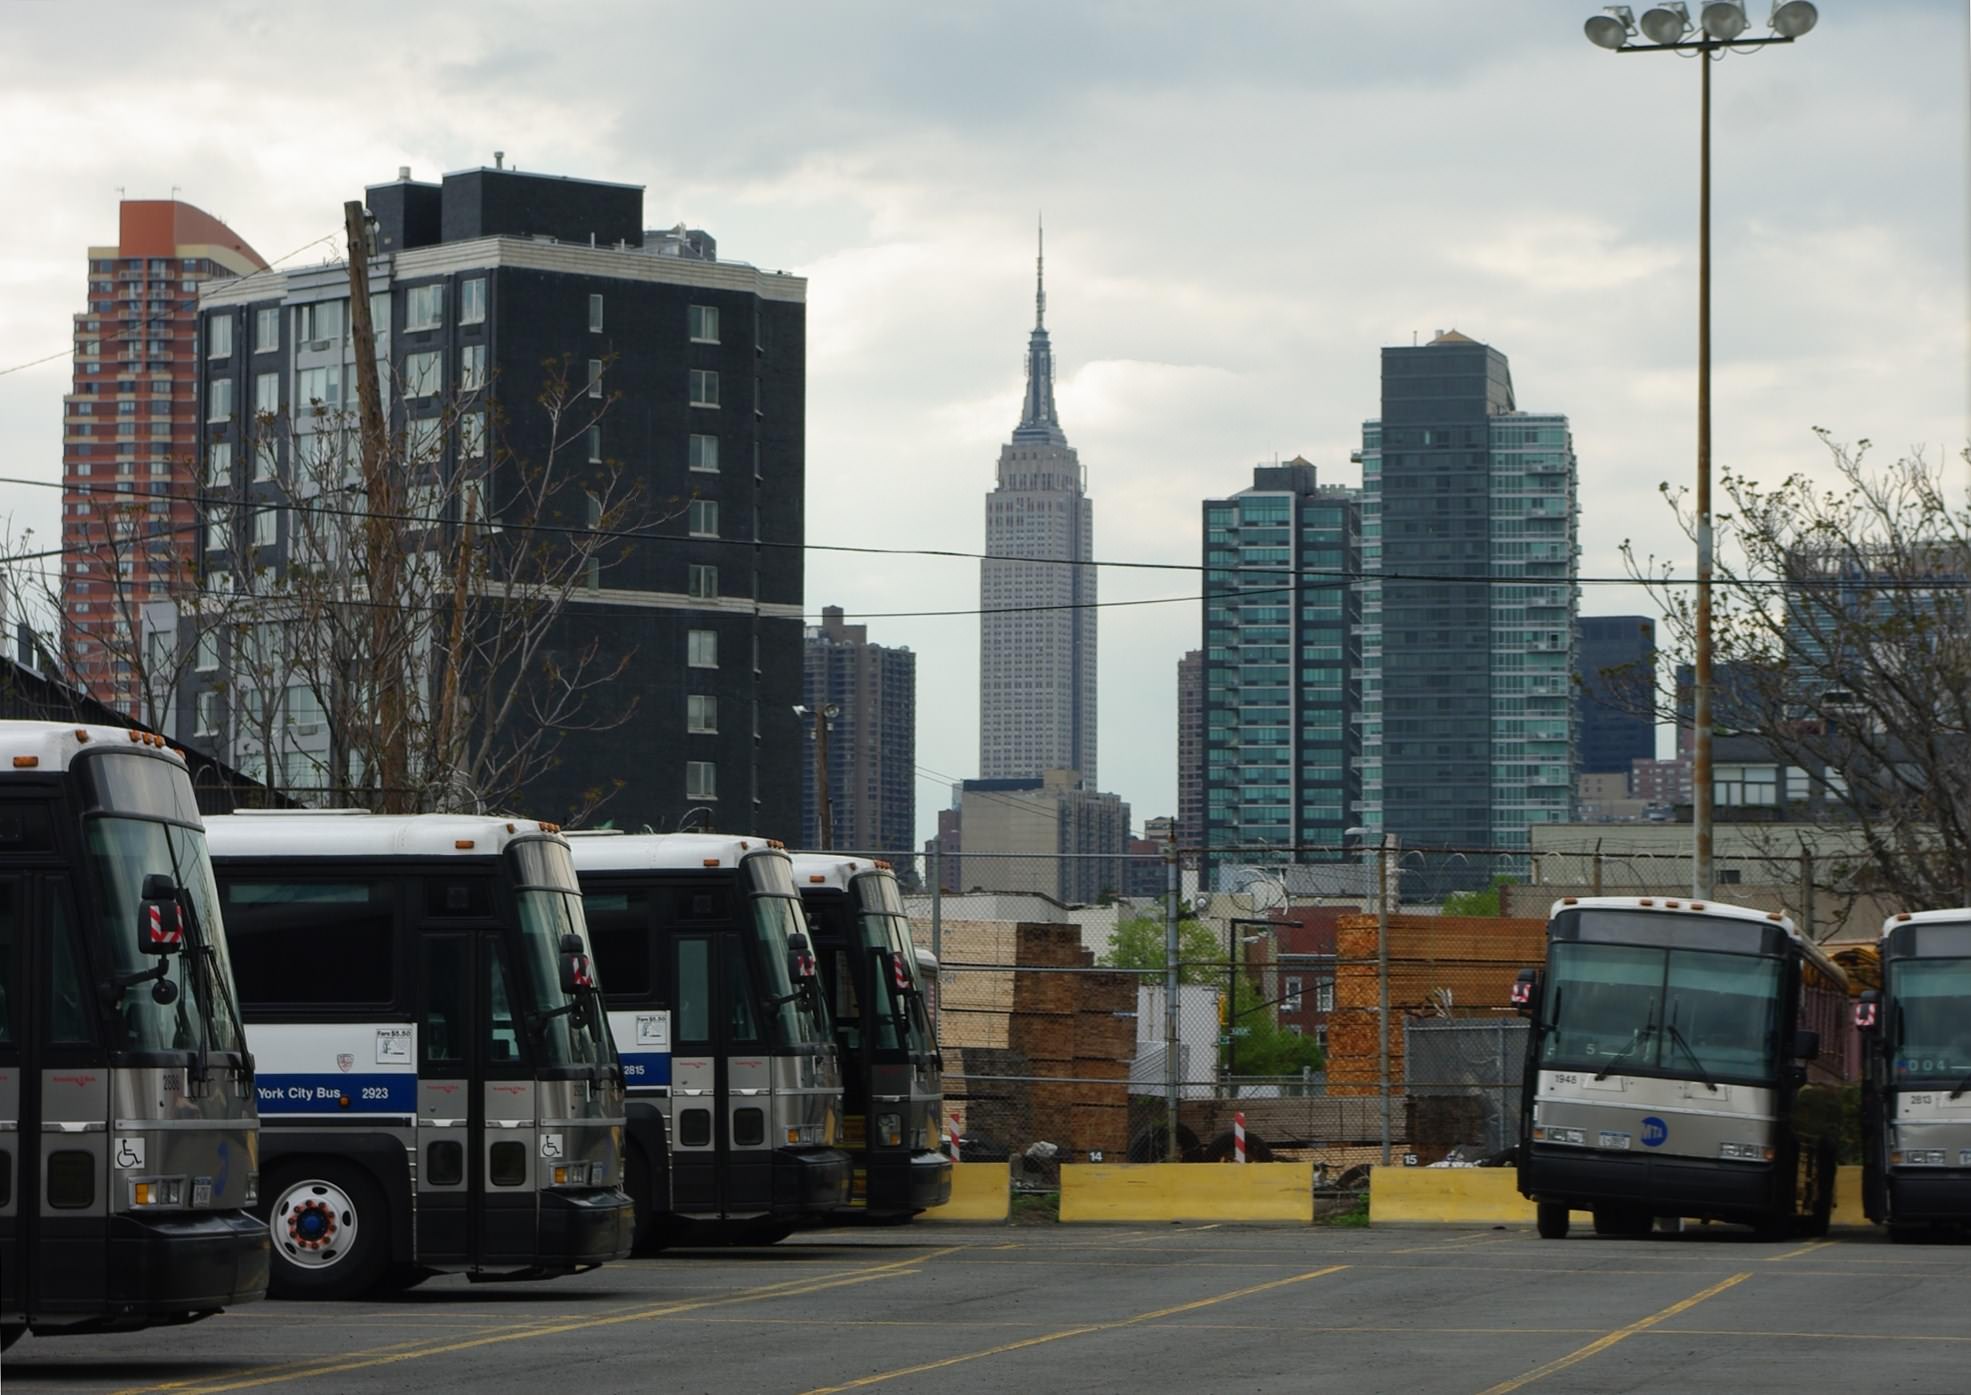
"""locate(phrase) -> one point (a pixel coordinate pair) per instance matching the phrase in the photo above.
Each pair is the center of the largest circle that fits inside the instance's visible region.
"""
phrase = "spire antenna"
(1040, 274)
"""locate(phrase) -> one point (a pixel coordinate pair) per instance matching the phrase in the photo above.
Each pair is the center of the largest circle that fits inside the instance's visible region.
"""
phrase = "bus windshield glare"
(885, 928)
(1932, 1029)
(121, 853)
(776, 915)
(1636, 1009)
(550, 901)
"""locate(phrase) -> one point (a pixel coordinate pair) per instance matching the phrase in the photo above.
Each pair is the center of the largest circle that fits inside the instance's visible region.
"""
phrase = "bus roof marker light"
(711, 862)
(1645, 901)
(816, 878)
(462, 844)
(743, 845)
(82, 735)
(26, 762)
(1673, 905)
(1697, 905)
(1570, 900)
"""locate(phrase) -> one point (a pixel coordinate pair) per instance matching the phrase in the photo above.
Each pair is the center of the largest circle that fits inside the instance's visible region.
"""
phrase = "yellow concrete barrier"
(1490, 1196)
(1187, 1192)
(980, 1191)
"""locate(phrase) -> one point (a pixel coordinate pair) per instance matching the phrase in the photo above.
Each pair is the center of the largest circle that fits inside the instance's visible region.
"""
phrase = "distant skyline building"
(1037, 669)
(1468, 704)
(1190, 747)
(1282, 757)
(130, 438)
(872, 742)
(1053, 835)
(1617, 684)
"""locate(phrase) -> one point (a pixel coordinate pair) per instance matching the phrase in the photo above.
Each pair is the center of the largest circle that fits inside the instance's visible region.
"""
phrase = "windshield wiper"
(1963, 1084)
(1697, 1064)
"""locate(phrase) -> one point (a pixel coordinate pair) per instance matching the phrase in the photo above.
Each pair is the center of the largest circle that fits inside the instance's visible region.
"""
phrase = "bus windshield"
(121, 853)
(885, 928)
(796, 1017)
(1635, 1009)
(550, 902)
(1932, 1019)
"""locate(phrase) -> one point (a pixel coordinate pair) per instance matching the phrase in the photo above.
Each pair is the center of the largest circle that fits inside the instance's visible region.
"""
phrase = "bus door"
(54, 1162)
(721, 1083)
(476, 1107)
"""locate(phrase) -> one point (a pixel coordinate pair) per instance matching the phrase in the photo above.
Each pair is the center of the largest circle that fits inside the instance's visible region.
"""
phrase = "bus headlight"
(1745, 1152)
(576, 1174)
(1577, 1137)
(1917, 1157)
(157, 1192)
(889, 1130)
(252, 1189)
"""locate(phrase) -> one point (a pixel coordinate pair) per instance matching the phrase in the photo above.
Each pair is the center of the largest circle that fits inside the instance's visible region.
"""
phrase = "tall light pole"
(823, 716)
(1718, 29)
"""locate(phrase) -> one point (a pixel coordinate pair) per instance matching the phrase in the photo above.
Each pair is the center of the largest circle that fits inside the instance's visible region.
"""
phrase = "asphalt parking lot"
(1174, 1308)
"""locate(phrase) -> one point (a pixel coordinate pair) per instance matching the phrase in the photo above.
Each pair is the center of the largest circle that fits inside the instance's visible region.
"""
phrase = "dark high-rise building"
(130, 440)
(1468, 702)
(685, 379)
(1617, 656)
(872, 739)
(1190, 747)
(1282, 747)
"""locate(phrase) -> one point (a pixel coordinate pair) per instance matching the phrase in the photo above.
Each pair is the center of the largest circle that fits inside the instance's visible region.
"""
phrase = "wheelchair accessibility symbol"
(129, 1152)
(551, 1145)
(1655, 1132)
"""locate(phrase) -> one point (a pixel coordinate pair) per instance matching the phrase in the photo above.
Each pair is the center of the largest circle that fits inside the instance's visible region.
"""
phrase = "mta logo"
(1655, 1132)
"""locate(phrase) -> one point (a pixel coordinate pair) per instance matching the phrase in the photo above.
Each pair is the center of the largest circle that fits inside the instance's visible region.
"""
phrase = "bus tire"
(330, 1230)
(1550, 1219)
(650, 1235)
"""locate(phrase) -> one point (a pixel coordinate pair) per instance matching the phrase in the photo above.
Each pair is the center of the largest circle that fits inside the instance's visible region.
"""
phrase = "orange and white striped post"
(955, 1140)
(1239, 1137)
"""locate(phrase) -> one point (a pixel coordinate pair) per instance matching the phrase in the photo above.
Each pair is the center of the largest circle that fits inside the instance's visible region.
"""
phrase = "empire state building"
(1037, 629)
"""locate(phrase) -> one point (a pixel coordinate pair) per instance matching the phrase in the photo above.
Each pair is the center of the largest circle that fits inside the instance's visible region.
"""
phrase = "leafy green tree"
(1139, 944)
(1267, 1048)
(1483, 902)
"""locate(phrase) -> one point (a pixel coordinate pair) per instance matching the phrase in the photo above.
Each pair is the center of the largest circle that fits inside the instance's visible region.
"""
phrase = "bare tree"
(1842, 647)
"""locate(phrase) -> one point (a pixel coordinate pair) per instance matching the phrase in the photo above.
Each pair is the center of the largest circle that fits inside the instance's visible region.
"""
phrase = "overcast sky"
(1243, 203)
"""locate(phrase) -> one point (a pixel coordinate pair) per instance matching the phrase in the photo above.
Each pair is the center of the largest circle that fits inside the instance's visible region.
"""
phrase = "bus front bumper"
(1668, 1186)
(899, 1183)
(811, 1179)
(585, 1227)
(180, 1265)
(1929, 1194)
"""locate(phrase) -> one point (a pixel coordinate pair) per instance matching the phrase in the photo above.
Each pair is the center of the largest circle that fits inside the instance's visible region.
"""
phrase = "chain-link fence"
(1344, 1028)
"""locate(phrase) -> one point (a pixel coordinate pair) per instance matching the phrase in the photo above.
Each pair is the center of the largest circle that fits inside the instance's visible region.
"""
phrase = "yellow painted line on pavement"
(1084, 1330)
(330, 1366)
(1803, 1250)
(1620, 1334)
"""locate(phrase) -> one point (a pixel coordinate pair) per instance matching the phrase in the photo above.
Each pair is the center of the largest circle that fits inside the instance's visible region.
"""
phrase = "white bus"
(437, 1081)
(127, 1130)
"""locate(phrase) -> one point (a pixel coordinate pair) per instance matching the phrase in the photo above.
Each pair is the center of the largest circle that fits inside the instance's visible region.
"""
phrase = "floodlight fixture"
(1667, 23)
(1612, 30)
(1792, 18)
(1724, 19)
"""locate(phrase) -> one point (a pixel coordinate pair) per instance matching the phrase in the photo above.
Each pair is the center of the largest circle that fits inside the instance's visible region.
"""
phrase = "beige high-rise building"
(1037, 632)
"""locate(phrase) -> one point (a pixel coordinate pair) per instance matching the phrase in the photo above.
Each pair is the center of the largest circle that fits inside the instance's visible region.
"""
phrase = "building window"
(701, 780)
(1324, 995)
(595, 314)
(1290, 994)
(472, 367)
(265, 527)
(704, 388)
(472, 435)
(701, 648)
(595, 377)
(219, 399)
(703, 322)
(208, 714)
(206, 656)
(423, 374)
(701, 713)
(704, 454)
(424, 307)
(219, 335)
(702, 518)
(472, 300)
(321, 388)
(267, 329)
(595, 445)
(267, 393)
(316, 324)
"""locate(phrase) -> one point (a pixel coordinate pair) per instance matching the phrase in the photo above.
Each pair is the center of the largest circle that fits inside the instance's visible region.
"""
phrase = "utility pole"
(1170, 1055)
(823, 819)
(390, 746)
(1382, 981)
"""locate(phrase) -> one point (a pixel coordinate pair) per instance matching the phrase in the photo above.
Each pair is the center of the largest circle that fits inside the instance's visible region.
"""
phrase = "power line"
(1334, 577)
(155, 317)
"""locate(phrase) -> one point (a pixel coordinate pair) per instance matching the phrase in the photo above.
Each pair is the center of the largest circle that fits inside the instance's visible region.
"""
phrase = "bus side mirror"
(571, 943)
(800, 956)
(1806, 1044)
(1526, 991)
(160, 917)
(1868, 1010)
(577, 972)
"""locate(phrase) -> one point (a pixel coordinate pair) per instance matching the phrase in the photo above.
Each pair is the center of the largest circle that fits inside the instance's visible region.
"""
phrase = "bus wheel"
(1550, 1217)
(650, 1235)
(331, 1232)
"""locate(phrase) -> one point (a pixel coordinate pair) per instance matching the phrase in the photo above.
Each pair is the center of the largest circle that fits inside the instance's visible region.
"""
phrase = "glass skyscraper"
(1281, 647)
(1469, 516)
